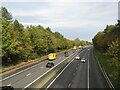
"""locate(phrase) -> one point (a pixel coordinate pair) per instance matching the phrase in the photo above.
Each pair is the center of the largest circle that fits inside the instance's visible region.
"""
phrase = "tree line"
(107, 42)
(21, 43)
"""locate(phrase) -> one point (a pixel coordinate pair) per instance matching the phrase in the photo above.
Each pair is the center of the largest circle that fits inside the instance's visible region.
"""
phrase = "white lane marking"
(45, 73)
(88, 69)
(69, 85)
(107, 79)
(41, 67)
(22, 71)
(28, 74)
(58, 75)
(9, 85)
(105, 75)
(76, 68)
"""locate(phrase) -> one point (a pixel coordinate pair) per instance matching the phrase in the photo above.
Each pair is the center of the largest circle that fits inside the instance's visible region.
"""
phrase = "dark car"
(7, 88)
(66, 54)
(50, 64)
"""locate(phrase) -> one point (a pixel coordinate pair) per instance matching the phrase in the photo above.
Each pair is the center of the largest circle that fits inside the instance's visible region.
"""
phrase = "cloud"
(73, 15)
(82, 19)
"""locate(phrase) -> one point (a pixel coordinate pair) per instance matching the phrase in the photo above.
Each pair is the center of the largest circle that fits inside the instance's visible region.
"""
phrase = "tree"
(21, 44)
(108, 42)
(6, 15)
(48, 29)
(114, 49)
(118, 23)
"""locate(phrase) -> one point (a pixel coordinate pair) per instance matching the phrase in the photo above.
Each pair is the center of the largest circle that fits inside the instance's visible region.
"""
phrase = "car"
(83, 60)
(77, 57)
(7, 88)
(66, 54)
(50, 64)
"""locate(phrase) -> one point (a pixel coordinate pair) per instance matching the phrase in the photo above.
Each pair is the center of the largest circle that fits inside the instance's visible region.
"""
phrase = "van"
(52, 56)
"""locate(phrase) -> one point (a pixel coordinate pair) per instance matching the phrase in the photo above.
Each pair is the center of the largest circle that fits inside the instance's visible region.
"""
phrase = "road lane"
(74, 76)
(23, 79)
(95, 76)
(80, 75)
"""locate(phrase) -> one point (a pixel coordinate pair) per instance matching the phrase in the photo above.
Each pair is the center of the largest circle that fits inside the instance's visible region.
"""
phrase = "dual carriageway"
(74, 74)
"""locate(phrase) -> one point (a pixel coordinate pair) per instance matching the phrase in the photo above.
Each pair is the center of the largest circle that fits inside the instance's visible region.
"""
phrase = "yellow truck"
(75, 47)
(52, 56)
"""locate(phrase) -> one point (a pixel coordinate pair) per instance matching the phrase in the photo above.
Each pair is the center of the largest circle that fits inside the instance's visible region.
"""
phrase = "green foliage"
(5, 14)
(108, 42)
(103, 39)
(22, 44)
(114, 49)
(111, 66)
(48, 29)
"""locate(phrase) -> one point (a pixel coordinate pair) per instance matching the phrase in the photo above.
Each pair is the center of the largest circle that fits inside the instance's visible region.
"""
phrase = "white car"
(83, 60)
(77, 57)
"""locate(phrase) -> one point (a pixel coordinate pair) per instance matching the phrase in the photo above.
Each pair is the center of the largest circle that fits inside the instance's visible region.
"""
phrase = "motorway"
(75, 75)
(80, 75)
(23, 78)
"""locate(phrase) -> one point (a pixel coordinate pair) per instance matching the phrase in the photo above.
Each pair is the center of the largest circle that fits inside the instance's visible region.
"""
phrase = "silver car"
(77, 57)
(83, 60)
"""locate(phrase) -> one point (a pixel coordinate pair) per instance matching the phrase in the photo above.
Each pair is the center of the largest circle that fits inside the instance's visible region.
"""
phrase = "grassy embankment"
(111, 66)
(12, 65)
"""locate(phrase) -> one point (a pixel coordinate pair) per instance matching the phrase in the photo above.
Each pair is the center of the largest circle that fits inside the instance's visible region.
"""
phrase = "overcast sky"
(72, 18)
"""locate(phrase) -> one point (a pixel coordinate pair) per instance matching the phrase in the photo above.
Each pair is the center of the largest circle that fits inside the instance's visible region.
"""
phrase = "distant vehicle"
(7, 88)
(74, 51)
(83, 60)
(77, 57)
(50, 64)
(79, 47)
(52, 56)
(75, 47)
(82, 48)
(66, 54)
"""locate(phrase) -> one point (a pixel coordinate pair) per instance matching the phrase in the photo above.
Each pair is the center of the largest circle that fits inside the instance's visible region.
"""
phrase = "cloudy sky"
(72, 18)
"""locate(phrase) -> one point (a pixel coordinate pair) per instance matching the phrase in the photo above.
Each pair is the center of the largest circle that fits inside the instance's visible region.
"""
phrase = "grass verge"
(111, 66)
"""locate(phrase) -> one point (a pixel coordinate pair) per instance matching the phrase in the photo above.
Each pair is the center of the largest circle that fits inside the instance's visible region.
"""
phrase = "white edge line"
(22, 71)
(45, 73)
(105, 75)
(28, 74)
(108, 78)
(69, 85)
(9, 85)
(88, 69)
(59, 75)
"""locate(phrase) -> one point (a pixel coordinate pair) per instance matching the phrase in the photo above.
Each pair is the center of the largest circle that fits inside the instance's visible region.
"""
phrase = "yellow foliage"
(20, 48)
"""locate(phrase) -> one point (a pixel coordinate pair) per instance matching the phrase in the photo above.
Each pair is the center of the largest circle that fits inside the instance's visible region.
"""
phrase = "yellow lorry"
(75, 47)
(52, 56)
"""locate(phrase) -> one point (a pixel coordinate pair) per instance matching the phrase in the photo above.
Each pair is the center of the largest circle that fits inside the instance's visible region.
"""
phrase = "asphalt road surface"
(25, 77)
(75, 75)
(80, 75)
